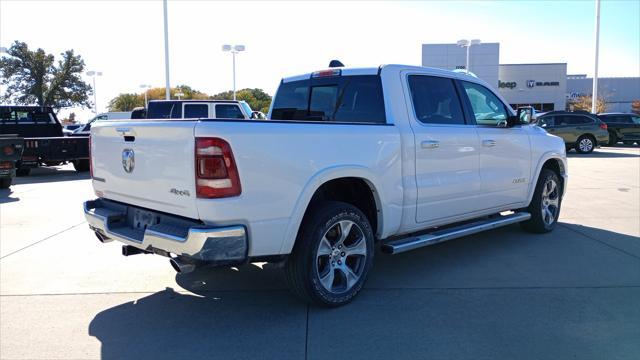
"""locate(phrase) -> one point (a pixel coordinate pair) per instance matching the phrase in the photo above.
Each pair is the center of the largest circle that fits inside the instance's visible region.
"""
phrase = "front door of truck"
(505, 152)
(446, 150)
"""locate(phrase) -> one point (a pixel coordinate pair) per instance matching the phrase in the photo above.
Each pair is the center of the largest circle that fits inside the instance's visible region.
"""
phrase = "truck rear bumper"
(166, 234)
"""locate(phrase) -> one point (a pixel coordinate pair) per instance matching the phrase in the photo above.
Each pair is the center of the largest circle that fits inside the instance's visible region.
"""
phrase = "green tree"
(256, 98)
(33, 77)
(126, 102)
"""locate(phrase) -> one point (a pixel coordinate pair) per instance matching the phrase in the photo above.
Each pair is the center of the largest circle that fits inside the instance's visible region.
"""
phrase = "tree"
(584, 103)
(33, 77)
(256, 98)
(635, 107)
(127, 102)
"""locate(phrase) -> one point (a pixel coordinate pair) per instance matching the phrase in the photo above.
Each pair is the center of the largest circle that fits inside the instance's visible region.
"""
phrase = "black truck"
(10, 152)
(44, 143)
(623, 127)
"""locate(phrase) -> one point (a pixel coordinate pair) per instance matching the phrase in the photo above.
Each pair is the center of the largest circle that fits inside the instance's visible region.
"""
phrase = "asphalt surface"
(503, 294)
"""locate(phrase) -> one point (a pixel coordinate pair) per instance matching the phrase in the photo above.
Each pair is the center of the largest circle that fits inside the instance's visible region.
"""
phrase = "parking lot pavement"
(504, 294)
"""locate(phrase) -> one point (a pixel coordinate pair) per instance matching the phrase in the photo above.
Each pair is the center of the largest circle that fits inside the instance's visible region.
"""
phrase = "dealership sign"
(530, 84)
(508, 85)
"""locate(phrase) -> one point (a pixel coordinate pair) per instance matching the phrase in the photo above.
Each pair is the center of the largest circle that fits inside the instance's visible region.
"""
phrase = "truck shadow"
(247, 312)
(599, 153)
(5, 196)
(51, 174)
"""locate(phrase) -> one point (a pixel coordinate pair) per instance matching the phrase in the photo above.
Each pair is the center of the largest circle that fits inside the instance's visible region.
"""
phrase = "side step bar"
(397, 246)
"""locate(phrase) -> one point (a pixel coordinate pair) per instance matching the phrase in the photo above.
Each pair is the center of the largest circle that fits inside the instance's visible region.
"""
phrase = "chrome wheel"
(550, 201)
(586, 145)
(341, 255)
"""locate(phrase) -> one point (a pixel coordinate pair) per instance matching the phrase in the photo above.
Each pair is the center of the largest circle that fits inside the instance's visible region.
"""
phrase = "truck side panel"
(281, 164)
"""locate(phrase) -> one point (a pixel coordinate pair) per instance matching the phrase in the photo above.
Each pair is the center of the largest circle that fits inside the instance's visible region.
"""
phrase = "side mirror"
(525, 115)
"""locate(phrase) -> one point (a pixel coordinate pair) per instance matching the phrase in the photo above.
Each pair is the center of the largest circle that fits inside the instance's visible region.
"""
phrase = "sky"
(124, 39)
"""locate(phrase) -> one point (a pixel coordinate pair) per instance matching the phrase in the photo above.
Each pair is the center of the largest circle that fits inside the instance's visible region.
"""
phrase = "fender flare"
(314, 183)
(549, 155)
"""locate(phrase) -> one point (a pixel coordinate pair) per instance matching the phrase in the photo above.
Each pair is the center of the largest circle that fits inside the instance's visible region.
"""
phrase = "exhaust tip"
(181, 267)
(103, 239)
(128, 250)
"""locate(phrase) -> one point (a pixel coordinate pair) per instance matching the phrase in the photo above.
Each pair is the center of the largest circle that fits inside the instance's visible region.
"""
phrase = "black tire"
(81, 165)
(5, 182)
(613, 139)
(585, 144)
(23, 171)
(304, 265)
(539, 223)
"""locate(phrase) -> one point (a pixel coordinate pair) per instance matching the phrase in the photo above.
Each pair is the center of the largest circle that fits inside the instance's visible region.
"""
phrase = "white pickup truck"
(394, 156)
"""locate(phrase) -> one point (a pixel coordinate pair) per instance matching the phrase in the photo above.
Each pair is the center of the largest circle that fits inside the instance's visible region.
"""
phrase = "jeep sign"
(508, 85)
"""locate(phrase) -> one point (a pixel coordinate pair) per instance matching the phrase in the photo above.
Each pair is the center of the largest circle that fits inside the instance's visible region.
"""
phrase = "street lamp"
(234, 49)
(146, 89)
(93, 74)
(179, 94)
(468, 44)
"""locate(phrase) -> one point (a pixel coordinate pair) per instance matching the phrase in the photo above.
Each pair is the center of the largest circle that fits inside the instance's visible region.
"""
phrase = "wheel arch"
(554, 162)
(323, 183)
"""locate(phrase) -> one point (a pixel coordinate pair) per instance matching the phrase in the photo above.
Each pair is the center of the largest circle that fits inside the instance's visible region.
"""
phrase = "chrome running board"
(397, 246)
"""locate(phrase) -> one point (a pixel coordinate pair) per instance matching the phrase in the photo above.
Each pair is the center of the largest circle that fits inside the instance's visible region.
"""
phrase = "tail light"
(8, 150)
(603, 126)
(5, 165)
(216, 171)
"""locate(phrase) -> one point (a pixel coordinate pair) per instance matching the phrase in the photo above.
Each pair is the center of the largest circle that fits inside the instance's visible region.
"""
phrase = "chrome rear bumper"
(169, 234)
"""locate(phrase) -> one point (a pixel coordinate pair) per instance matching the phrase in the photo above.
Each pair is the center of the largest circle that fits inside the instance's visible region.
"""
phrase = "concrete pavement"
(503, 294)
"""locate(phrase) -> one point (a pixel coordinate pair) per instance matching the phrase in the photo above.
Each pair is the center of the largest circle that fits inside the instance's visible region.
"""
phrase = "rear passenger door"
(446, 150)
(505, 152)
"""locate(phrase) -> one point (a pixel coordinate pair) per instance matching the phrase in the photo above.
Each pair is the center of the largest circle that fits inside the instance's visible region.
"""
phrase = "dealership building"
(545, 86)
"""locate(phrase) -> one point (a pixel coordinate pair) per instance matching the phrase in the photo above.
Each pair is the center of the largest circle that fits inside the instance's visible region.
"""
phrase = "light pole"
(234, 49)
(93, 74)
(167, 91)
(467, 44)
(146, 88)
(594, 93)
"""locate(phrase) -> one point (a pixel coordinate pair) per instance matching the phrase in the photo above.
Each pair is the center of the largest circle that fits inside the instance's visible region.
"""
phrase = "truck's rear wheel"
(5, 183)
(81, 165)
(23, 171)
(545, 205)
(332, 255)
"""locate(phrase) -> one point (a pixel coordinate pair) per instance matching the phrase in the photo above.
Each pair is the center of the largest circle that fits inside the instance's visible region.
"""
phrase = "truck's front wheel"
(545, 205)
(332, 256)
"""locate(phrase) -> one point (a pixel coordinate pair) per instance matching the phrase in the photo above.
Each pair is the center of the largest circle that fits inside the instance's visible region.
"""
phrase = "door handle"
(488, 143)
(430, 144)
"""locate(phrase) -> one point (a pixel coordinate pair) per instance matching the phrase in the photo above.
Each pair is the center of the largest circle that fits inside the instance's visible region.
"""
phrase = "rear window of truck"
(351, 99)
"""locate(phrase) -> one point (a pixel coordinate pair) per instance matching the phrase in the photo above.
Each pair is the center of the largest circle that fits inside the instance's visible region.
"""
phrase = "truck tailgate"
(147, 163)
